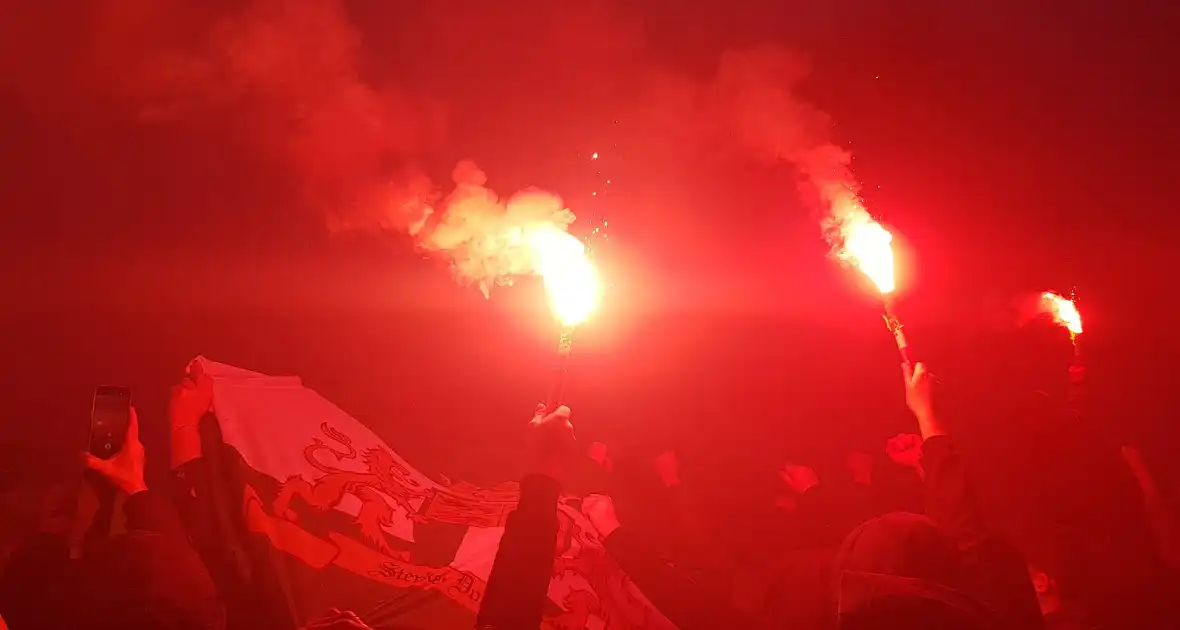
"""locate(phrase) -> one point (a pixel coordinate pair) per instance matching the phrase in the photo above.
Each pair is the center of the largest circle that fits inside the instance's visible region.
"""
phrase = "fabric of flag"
(350, 524)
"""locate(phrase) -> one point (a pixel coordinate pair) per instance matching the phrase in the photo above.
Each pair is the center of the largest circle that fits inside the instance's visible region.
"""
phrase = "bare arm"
(918, 398)
(188, 403)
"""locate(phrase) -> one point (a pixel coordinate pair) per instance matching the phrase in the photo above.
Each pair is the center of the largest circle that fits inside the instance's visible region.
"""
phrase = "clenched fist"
(905, 449)
(799, 478)
(551, 441)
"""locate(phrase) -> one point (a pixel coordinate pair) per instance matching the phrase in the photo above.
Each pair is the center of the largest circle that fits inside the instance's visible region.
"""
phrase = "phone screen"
(109, 419)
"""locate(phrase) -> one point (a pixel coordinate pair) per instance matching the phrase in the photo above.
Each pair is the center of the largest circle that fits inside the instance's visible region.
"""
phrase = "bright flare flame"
(570, 278)
(868, 246)
(1063, 310)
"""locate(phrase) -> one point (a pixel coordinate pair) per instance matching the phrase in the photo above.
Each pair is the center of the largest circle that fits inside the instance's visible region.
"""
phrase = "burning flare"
(1063, 311)
(858, 239)
(863, 242)
(570, 278)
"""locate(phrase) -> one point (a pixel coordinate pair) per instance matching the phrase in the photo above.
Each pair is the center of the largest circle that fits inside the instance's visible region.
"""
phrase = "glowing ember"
(868, 246)
(570, 278)
(1063, 311)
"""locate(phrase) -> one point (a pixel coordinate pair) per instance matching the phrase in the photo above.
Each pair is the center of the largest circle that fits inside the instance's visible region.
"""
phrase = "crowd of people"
(929, 559)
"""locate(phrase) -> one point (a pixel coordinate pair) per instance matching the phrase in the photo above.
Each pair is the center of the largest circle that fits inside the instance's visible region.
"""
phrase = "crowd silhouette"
(849, 557)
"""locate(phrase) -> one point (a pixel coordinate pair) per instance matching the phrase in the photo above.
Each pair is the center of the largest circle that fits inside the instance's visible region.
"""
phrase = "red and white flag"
(356, 526)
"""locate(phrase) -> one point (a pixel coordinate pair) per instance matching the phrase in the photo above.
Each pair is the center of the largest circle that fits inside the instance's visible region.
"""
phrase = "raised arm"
(194, 495)
(1165, 530)
(519, 581)
(151, 574)
(998, 571)
(187, 405)
(950, 498)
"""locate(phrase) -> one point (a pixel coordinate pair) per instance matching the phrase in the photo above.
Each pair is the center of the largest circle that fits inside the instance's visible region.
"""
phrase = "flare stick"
(896, 328)
(1077, 377)
(560, 368)
(1065, 312)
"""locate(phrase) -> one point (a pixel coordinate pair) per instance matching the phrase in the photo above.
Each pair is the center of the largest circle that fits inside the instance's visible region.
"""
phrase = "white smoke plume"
(481, 235)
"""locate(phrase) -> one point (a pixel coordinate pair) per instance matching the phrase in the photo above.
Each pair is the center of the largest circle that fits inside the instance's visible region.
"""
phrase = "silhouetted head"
(1046, 587)
(902, 571)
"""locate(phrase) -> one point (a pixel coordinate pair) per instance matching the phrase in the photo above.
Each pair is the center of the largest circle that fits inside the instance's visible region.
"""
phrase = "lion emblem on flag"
(383, 475)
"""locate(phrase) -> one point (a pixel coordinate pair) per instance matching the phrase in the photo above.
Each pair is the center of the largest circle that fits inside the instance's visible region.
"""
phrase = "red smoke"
(313, 91)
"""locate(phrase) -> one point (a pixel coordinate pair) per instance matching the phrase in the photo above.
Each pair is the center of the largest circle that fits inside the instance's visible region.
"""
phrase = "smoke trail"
(751, 107)
(292, 77)
(291, 71)
(346, 132)
(759, 90)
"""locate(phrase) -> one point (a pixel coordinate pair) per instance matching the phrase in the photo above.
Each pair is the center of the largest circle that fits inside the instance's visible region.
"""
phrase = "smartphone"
(109, 418)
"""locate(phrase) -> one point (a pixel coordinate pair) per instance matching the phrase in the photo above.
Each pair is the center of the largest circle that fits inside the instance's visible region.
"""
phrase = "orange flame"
(866, 244)
(570, 278)
(1063, 311)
